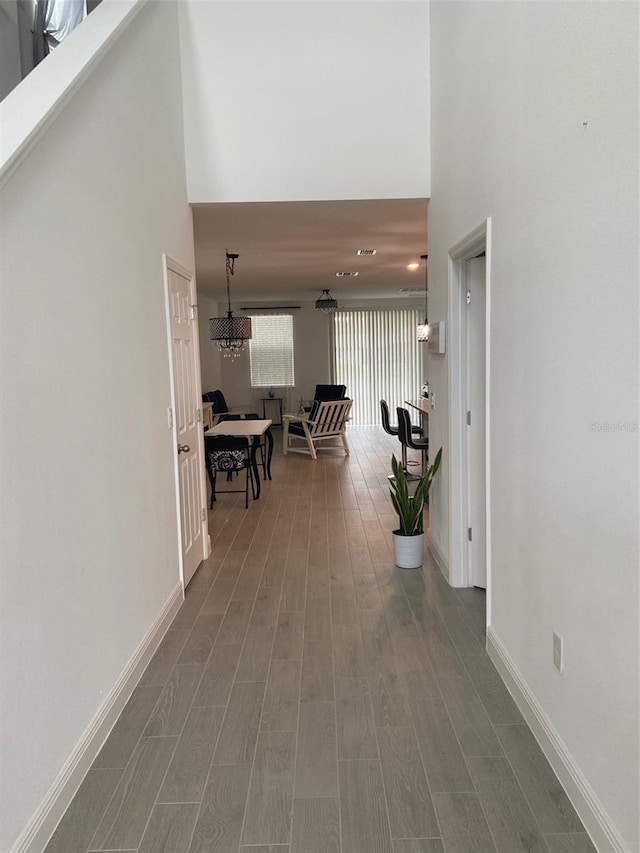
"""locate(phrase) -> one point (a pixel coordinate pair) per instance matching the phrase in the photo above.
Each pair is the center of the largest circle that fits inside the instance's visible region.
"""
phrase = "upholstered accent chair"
(327, 392)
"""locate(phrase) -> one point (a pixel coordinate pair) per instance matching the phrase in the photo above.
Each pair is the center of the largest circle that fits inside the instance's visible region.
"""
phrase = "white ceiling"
(292, 250)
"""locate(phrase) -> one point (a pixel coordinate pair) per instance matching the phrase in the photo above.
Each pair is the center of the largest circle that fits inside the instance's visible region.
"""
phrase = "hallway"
(312, 698)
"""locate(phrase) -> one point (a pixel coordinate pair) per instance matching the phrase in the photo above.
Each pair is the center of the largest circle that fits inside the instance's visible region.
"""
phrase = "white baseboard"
(591, 812)
(36, 834)
(436, 552)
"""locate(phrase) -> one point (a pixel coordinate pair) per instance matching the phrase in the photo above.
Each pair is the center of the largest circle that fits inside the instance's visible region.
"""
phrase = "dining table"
(253, 429)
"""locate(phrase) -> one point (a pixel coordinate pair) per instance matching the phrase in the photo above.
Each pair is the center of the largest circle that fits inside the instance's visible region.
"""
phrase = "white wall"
(306, 101)
(210, 358)
(88, 524)
(535, 124)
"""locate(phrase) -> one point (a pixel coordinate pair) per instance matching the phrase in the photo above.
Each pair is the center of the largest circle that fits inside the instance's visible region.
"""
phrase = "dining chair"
(229, 455)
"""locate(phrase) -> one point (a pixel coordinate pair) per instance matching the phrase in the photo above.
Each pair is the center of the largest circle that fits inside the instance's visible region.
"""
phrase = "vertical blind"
(377, 356)
(271, 351)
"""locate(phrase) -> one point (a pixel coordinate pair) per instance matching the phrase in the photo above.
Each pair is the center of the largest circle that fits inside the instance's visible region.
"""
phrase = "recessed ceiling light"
(347, 274)
(413, 266)
(366, 251)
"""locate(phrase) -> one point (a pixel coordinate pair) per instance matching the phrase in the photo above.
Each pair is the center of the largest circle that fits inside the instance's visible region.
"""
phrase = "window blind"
(377, 356)
(271, 350)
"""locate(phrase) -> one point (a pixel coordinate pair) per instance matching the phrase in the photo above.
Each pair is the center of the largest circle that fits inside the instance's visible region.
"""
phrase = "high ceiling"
(292, 250)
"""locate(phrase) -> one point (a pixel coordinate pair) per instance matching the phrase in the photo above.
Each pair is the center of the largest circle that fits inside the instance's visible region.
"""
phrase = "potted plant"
(408, 538)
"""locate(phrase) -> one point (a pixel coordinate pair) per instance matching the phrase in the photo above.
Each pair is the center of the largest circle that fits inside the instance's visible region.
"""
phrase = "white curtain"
(377, 356)
(52, 22)
(62, 17)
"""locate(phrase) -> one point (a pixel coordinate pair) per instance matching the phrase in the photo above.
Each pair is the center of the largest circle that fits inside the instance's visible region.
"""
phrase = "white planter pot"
(408, 550)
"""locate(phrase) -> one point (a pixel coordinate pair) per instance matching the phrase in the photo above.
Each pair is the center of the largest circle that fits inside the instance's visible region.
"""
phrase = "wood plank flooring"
(310, 697)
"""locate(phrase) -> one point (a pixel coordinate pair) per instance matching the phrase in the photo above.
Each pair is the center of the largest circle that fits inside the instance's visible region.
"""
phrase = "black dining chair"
(391, 430)
(406, 436)
(227, 454)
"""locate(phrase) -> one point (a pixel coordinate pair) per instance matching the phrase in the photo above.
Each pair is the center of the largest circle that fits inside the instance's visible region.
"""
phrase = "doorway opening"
(469, 391)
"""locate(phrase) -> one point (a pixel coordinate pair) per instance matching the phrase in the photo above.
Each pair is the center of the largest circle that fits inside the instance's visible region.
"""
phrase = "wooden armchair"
(327, 420)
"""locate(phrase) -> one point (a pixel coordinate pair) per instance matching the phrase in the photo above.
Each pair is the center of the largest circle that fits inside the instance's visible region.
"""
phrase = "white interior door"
(476, 419)
(187, 417)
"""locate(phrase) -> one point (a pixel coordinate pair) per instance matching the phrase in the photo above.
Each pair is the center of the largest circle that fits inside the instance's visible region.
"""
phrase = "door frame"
(477, 241)
(169, 264)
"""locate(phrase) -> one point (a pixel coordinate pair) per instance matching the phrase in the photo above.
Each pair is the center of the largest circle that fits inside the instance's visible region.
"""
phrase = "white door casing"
(476, 433)
(477, 241)
(185, 418)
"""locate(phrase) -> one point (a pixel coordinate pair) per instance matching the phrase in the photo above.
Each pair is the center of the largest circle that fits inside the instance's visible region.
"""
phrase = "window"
(377, 356)
(271, 351)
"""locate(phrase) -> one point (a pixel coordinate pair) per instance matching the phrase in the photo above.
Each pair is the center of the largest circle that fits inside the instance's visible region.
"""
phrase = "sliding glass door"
(377, 356)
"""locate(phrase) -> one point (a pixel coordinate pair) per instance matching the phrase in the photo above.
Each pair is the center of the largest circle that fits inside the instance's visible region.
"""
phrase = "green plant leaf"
(410, 508)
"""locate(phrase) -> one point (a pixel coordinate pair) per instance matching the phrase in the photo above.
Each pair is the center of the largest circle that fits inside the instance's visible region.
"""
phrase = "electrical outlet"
(558, 659)
(432, 400)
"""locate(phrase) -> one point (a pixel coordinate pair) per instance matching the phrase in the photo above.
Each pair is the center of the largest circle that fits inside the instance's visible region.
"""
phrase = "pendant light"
(231, 333)
(326, 304)
(423, 328)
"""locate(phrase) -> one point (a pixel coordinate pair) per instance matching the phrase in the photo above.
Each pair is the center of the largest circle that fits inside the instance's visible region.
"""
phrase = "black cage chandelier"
(231, 333)
(327, 304)
(423, 328)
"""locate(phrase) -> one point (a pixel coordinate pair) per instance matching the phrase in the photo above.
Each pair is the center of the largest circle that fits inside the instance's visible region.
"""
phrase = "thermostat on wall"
(436, 343)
